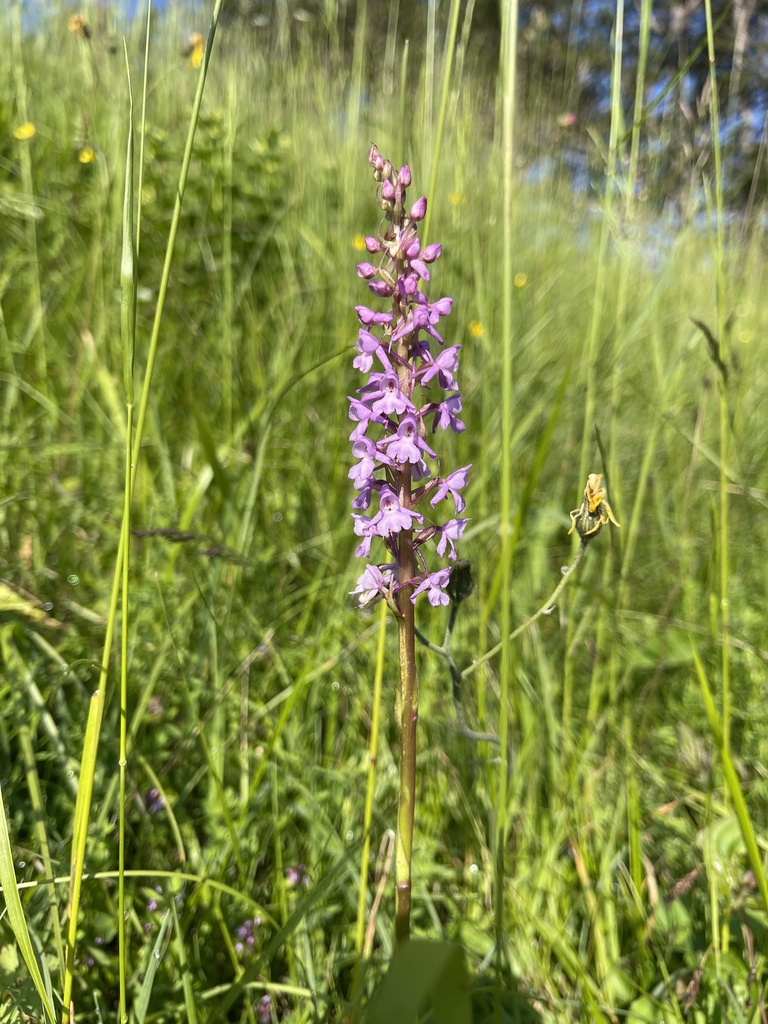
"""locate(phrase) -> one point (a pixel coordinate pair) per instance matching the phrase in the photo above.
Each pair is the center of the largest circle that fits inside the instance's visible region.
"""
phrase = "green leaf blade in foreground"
(16, 917)
(141, 1006)
(424, 973)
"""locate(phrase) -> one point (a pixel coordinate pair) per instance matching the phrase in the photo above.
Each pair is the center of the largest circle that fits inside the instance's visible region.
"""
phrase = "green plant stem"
(373, 748)
(445, 652)
(409, 716)
(545, 609)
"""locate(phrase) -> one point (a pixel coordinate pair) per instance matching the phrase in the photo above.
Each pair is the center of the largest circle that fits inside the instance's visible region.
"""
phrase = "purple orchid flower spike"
(409, 392)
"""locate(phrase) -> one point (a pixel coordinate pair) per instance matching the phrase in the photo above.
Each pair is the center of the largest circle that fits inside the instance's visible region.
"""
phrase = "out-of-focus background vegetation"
(627, 893)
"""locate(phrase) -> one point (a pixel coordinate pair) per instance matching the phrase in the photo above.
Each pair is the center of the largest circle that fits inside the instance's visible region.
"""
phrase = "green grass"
(249, 673)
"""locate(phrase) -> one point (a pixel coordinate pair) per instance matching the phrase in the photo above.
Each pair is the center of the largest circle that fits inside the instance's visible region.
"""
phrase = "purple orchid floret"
(443, 366)
(450, 532)
(392, 516)
(434, 587)
(374, 582)
(406, 445)
(409, 391)
(368, 316)
(452, 485)
(368, 345)
(446, 415)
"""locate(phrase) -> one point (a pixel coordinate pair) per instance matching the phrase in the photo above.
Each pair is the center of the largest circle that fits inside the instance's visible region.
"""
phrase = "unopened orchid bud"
(419, 209)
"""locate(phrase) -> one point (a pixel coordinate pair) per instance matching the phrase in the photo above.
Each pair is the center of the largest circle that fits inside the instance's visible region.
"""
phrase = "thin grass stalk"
(38, 810)
(228, 305)
(373, 750)
(606, 223)
(143, 132)
(466, 31)
(508, 74)
(185, 969)
(625, 271)
(614, 477)
(596, 694)
(16, 668)
(712, 868)
(428, 82)
(358, 73)
(570, 77)
(128, 339)
(149, 876)
(244, 752)
(403, 100)
(545, 609)
(714, 107)
(282, 897)
(88, 762)
(732, 782)
(30, 228)
(216, 793)
(390, 51)
(448, 52)
(635, 843)
(123, 761)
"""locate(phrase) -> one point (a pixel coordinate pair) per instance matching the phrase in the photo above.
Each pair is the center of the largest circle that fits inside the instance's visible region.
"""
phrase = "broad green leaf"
(423, 974)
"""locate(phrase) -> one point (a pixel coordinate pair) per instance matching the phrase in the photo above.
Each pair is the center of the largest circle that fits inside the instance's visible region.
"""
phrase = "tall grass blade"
(448, 52)
(80, 834)
(732, 784)
(141, 1004)
(16, 918)
(508, 74)
(128, 285)
(719, 254)
(88, 765)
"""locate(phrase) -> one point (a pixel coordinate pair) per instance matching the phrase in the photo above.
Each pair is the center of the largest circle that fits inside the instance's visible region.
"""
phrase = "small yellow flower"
(476, 329)
(358, 243)
(456, 199)
(521, 280)
(594, 512)
(86, 155)
(24, 131)
(195, 49)
(78, 24)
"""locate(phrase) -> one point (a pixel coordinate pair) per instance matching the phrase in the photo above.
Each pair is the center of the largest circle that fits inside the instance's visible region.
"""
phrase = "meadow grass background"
(627, 892)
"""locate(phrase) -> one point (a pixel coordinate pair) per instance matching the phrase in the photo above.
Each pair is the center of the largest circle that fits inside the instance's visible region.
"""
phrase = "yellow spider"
(594, 512)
